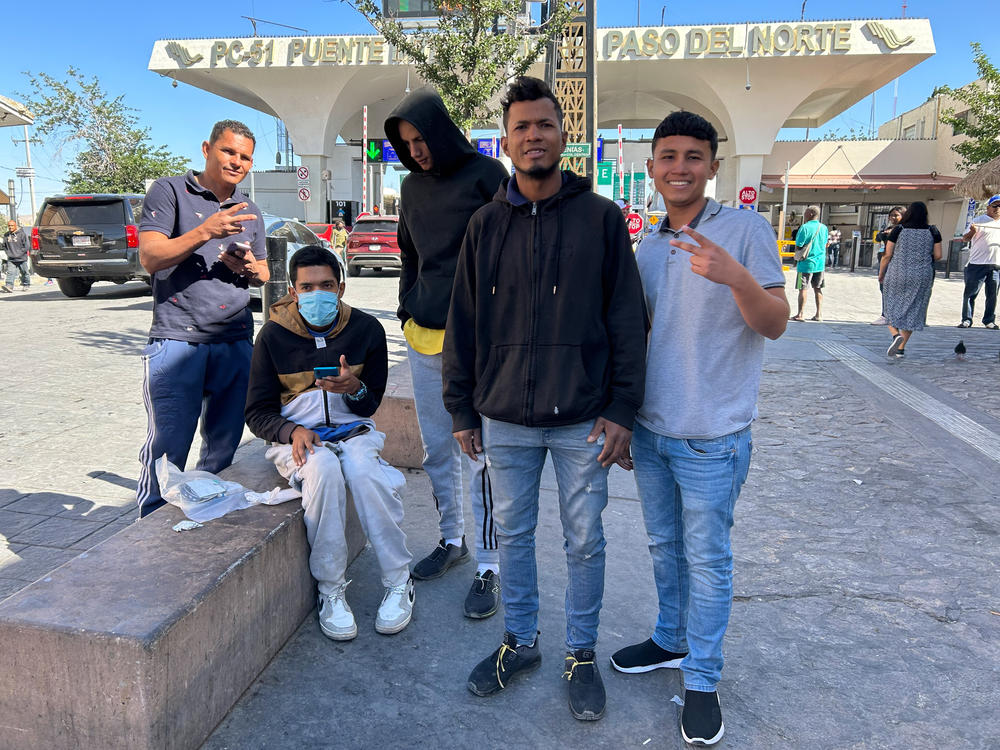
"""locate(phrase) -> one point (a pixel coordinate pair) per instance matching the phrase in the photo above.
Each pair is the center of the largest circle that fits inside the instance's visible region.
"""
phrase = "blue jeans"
(515, 457)
(183, 382)
(976, 276)
(688, 489)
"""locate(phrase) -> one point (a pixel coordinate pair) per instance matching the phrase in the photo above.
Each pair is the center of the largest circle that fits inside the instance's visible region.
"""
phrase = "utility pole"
(28, 171)
(10, 197)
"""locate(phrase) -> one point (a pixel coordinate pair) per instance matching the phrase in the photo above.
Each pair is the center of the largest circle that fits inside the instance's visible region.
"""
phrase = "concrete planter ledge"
(148, 639)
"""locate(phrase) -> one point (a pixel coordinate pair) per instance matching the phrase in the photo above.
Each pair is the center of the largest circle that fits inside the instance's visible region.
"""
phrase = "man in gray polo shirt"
(202, 242)
(714, 289)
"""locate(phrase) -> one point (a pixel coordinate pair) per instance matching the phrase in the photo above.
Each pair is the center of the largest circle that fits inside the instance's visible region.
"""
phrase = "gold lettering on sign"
(759, 39)
(697, 41)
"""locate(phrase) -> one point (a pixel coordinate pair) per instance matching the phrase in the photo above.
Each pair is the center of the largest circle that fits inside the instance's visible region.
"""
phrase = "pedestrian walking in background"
(982, 268)
(833, 247)
(907, 275)
(448, 182)
(15, 245)
(811, 239)
(546, 340)
(202, 242)
(895, 216)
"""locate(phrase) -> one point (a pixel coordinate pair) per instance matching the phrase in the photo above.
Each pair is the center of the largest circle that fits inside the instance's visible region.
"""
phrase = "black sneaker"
(586, 689)
(701, 718)
(484, 596)
(438, 561)
(645, 657)
(495, 672)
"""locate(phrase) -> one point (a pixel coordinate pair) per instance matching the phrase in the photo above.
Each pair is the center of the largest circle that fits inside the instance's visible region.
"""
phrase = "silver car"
(298, 236)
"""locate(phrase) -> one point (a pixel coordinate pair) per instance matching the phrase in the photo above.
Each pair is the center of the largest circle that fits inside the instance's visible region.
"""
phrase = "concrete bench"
(149, 638)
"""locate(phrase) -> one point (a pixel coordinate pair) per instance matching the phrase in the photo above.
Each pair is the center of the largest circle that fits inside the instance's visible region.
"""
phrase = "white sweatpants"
(325, 479)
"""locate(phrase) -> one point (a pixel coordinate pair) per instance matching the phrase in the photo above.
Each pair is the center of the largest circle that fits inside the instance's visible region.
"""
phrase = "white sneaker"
(880, 321)
(396, 609)
(336, 619)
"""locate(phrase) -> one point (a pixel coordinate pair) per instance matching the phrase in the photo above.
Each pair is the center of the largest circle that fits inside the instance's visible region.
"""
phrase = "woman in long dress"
(907, 273)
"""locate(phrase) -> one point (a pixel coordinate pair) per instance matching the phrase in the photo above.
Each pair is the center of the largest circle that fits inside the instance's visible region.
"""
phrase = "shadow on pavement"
(127, 342)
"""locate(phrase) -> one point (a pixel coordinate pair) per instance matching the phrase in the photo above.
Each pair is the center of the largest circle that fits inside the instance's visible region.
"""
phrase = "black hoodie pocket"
(499, 391)
(565, 391)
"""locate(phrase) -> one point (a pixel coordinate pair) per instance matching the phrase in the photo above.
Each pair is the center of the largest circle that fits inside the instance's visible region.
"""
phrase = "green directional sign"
(374, 149)
(604, 172)
(577, 149)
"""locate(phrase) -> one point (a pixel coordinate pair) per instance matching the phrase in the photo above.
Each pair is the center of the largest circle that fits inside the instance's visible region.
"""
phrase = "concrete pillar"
(315, 208)
(749, 168)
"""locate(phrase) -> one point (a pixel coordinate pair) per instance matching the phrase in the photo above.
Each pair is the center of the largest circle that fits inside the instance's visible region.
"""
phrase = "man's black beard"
(539, 172)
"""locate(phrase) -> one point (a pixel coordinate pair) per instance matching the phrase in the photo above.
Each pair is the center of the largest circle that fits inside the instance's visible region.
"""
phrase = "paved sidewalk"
(867, 587)
(867, 603)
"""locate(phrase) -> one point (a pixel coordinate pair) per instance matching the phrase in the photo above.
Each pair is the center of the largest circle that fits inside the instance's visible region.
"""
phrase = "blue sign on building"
(486, 146)
(600, 149)
(389, 153)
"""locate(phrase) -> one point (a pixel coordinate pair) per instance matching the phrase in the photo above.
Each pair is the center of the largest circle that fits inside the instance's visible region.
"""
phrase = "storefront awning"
(871, 182)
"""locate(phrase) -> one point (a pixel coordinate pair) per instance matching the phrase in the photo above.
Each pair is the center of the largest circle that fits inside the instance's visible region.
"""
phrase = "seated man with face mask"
(323, 439)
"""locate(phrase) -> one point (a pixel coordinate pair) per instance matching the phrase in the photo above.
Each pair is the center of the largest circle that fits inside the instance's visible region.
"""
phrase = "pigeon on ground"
(960, 349)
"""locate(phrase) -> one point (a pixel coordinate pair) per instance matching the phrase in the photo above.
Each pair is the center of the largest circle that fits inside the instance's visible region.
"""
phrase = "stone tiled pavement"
(865, 545)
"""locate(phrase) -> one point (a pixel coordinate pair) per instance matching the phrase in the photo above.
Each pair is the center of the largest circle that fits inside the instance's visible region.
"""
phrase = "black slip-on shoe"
(701, 718)
(645, 657)
(483, 598)
(438, 561)
(586, 688)
(495, 672)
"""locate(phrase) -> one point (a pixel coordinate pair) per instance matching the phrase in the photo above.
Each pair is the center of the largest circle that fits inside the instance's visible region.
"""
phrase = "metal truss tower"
(575, 84)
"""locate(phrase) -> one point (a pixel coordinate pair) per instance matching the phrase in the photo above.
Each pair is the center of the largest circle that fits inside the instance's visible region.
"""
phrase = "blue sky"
(114, 44)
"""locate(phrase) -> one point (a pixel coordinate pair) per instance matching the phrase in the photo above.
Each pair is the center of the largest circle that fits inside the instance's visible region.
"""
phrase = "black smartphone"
(326, 372)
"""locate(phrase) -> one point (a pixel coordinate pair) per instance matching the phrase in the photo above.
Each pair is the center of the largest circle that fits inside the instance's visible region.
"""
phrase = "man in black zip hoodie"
(448, 182)
(546, 340)
(323, 439)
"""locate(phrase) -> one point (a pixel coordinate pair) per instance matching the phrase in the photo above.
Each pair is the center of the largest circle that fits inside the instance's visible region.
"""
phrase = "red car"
(323, 231)
(372, 244)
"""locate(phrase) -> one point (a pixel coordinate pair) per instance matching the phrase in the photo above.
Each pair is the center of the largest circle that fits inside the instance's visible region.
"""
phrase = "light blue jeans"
(688, 489)
(449, 470)
(515, 456)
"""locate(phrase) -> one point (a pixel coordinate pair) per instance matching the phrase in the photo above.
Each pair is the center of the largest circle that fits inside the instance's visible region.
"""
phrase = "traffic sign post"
(748, 195)
(304, 194)
(634, 222)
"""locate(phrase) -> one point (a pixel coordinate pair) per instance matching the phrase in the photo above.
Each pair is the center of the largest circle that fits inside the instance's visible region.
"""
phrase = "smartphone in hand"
(239, 249)
(326, 372)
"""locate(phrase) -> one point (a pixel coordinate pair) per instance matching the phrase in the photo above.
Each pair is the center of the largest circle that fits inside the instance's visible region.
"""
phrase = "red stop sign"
(634, 222)
(748, 195)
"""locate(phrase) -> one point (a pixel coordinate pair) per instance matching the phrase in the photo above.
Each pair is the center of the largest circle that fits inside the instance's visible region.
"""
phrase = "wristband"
(362, 392)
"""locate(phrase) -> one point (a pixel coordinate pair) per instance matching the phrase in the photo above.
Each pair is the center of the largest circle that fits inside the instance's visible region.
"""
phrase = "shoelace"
(568, 674)
(504, 649)
(339, 593)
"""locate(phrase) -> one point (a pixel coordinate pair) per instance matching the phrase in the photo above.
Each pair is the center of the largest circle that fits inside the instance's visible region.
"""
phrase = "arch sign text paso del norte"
(749, 79)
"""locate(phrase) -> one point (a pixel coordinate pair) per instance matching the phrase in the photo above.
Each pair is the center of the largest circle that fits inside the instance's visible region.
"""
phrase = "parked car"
(372, 244)
(298, 236)
(80, 239)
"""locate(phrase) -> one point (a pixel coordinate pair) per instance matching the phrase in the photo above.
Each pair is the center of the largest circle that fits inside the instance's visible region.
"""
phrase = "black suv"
(80, 239)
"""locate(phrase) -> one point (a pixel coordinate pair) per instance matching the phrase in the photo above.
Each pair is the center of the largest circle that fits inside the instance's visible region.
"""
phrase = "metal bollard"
(277, 263)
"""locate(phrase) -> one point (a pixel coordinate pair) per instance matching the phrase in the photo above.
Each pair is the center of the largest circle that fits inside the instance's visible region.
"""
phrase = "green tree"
(979, 118)
(470, 50)
(114, 153)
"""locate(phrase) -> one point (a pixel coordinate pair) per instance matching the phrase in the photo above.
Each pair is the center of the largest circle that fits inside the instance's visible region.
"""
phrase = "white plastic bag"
(203, 496)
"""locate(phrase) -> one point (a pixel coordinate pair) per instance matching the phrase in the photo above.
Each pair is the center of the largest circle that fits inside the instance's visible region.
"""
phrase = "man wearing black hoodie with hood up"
(448, 182)
(546, 339)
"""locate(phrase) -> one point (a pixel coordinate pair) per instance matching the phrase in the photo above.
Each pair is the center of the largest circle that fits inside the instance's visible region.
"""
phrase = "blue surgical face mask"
(319, 308)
